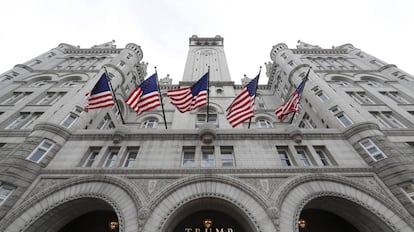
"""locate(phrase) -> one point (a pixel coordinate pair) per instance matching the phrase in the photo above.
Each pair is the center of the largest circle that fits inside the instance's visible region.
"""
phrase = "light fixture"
(302, 223)
(113, 225)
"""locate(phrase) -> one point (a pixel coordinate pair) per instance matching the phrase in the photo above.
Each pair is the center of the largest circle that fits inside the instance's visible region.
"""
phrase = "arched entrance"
(323, 221)
(96, 221)
(210, 213)
(329, 213)
(82, 215)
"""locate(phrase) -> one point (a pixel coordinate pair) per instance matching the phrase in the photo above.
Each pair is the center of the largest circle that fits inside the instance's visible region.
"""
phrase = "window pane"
(69, 120)
(303, 158)
(227, 156)
(131, 158)
(91, 159)
(37, 154)
(188, 156)
(110, 162)
(207, 157)
(284, 158)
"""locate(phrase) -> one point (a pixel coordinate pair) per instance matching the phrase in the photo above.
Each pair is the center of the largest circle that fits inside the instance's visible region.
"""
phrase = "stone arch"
(371, 77)
(247, 201)
(341, 77)
(212, 106)
(36, 78)
(265, 116)
(73, 77)
(114, 192)
(296, 193)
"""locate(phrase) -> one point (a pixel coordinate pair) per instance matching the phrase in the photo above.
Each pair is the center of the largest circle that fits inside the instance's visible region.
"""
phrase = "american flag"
(100, 96)
(241, 109)
(190, 98)
(145, 96)
(292, 105)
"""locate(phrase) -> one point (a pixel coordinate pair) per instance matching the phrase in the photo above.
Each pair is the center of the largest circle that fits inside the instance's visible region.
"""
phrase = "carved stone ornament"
(207, 133)
(119, 134)
(295, 133)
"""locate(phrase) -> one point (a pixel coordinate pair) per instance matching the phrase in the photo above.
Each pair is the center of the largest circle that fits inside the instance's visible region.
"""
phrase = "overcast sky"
(384, 29)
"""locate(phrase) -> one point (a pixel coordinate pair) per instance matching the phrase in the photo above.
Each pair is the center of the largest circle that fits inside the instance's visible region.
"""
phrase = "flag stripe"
(241, 109)
(101, 95)
(190, 98)
(145, 96)
(292, 105)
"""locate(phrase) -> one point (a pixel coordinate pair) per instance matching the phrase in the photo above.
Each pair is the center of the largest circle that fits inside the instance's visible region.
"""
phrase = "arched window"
(373, 83)
(38, 84)
(202, 116)
(264, 123)
(150, 123)
(342, 83)
(71, 83)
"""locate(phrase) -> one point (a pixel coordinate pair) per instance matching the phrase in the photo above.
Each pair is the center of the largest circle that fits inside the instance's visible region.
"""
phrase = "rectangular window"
(227, 156)
(303, 157)
(111, 158)
(321, 95)
(5, 192)
(408, 189)
(396, 97)
(50, 98)
(131, 157)
(69, 120)
(284, 156)
(202, 118)
(307, 122)
(105, 123)
(207, 156)
(388, 120)
(341, 116)
(44, 147)
(372, 150)
(188, 156)
(324, 157)
(15, 98)
(90, 160)
(24, 120)
(361, 97)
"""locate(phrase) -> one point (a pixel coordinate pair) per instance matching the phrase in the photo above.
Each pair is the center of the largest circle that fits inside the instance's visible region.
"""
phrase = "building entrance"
(209, 221)
(326, 214)
(97, 221)
(208, 215)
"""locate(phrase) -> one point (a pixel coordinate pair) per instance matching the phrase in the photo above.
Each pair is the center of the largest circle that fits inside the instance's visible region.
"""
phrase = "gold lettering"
(188, 229)
(197, 230)
(219, 230)
(229, 230)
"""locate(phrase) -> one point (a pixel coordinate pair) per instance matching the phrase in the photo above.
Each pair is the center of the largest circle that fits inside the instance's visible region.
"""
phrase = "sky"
(162, 28)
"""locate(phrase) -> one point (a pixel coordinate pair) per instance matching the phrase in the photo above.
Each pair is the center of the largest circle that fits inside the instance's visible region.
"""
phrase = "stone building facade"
(343, 163)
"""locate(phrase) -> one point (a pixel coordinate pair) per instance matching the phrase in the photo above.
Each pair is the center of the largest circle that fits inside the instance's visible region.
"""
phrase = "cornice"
(93, 51)
(169, 173)
(15, 133)
(53, 128)
(319, 51)
(259, 134)
(360, 127)
(387, 66)
(399, 132)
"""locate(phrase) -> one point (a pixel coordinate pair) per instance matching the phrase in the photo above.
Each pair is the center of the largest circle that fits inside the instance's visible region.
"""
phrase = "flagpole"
(114, 96)
(254, 100)
(208, 91)
(162, 104)
(300, 97)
